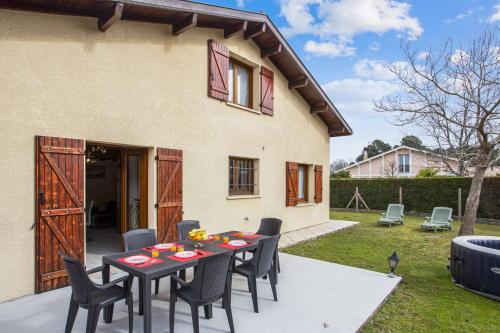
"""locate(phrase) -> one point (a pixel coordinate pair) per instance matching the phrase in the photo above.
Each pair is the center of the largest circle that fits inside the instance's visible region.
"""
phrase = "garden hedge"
(419, 194)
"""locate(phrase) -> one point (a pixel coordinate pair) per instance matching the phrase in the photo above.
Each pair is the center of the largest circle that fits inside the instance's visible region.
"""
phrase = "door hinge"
(33, 226)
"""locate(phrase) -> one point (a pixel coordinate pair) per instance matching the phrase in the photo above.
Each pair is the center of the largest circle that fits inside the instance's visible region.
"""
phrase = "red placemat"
(201, 254)
(150, 249)
(151, 261)
(246, 236)
(227, 246)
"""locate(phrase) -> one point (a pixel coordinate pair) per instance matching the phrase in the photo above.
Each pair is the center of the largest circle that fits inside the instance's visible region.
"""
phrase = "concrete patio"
(314, 296)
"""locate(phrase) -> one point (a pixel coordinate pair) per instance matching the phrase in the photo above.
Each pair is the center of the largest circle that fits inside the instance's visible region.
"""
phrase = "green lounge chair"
(393, 215)
(439, 220)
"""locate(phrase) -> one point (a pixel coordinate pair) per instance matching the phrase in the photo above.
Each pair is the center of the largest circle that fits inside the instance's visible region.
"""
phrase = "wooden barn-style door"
(169, 193)
(59, 208)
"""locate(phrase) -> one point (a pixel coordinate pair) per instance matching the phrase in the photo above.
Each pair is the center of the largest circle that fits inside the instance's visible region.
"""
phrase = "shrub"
(419, 194)
(342, 174)
(427, 172)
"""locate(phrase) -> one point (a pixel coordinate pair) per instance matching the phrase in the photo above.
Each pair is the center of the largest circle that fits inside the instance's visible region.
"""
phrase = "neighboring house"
(402, 161)
(179, 111)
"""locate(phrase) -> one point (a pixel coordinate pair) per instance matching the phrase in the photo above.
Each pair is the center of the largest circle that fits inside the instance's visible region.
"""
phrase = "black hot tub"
(475, 264)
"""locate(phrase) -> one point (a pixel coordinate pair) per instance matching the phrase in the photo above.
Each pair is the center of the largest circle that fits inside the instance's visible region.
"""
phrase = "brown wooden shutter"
(59, 184)
(292, 181)
(169, 193)
(266, 91)
(318, 183)
(218, 70)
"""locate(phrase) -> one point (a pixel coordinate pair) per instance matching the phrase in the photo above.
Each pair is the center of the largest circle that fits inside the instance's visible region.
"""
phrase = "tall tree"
(374, 148)
(454, 94)
(338, 165)
(412, 141)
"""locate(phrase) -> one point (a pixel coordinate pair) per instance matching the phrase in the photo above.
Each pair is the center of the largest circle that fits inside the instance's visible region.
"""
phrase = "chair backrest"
(441, 214)
(210, 277)
(269, 226)
(81, 285)
(183, 227)
(395, 210)
(138, 239)
(263, 257)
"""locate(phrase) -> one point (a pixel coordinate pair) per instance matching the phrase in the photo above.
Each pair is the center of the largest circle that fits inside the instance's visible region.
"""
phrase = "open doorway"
(116, 197)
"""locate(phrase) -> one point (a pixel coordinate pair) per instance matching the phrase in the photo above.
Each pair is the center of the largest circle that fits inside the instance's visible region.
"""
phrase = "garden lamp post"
(393, 262)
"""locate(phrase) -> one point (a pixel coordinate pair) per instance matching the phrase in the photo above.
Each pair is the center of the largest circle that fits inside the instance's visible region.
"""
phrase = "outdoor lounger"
(393, 215)
(440, 219)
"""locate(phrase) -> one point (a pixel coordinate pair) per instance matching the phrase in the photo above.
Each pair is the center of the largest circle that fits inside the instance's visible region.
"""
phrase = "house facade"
(207, 115)
(402, 161)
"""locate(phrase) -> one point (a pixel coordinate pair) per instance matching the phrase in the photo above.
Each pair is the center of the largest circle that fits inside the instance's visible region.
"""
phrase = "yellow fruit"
(197, 237)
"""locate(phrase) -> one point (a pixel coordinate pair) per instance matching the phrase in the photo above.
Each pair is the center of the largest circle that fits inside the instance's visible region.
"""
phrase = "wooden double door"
(60, 211)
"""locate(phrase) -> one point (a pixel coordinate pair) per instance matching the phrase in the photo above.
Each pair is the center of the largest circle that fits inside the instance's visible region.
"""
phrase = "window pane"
(241, 176)
(243, 85)
(404, 163)
(301, 182)
(231, 82)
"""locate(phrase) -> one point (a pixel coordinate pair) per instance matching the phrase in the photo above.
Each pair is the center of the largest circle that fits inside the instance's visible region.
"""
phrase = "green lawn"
(426, 300)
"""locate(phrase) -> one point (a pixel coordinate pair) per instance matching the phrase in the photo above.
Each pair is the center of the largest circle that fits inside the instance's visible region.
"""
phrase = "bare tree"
(338, 165)
(454, 94)
(391, 169)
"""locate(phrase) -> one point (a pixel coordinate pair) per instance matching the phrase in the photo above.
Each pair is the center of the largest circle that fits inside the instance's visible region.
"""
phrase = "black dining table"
(169, 266)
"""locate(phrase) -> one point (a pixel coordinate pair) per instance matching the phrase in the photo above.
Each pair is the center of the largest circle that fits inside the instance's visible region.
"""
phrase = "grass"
(426, 299)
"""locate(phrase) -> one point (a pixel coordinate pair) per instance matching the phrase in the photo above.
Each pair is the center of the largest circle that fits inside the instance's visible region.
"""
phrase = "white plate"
(136, 260)
(163, 246)
(185, 254)
(237, 243)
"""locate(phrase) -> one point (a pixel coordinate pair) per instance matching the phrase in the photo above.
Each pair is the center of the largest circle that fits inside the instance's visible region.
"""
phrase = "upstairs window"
(404, 163)
(240, 83)
(242, 176)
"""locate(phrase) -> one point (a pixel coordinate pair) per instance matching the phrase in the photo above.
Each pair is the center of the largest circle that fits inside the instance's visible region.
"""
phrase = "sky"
(347, 44)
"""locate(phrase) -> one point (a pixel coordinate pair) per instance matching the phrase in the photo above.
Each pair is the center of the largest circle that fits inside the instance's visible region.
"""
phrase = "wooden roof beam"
(112, 15)
(299, 82)
(255, 31)
(270, 51)
(319, 108)
(185, 24)
(234, 29)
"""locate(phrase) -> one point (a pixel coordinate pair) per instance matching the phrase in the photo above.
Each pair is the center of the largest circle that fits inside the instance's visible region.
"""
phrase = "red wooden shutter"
(59, 208)
(318, 183)
(169, 193)
(292, 181)
(218, 70)
(266, 91)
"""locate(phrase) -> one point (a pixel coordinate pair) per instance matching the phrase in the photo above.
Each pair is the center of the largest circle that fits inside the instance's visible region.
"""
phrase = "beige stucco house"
(402, 161)
(141, 114)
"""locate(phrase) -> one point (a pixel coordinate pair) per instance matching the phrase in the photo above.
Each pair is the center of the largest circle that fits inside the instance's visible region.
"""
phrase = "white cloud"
(461, 16)
(423, 55)
(329, 49)
(459, 56)
(496, 14)
(373, 69)
(375, 46)
(240, 3)
(357, 95)
(338, 21)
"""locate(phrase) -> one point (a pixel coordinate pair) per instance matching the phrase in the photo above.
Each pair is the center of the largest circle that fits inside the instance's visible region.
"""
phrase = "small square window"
(242, 176)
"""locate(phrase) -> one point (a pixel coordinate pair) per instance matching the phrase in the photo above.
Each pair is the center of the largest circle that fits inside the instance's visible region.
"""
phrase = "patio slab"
(301, 235)
(314, 296)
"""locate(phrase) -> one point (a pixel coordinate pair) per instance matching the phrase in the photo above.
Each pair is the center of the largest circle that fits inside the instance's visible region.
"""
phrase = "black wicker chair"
(260, 265)
(183, 227)
(210, 283)
(94, 297)
(138, 239)
(270, 226)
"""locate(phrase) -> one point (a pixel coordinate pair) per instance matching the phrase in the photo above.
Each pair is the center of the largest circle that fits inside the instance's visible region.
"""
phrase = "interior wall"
(103, 190)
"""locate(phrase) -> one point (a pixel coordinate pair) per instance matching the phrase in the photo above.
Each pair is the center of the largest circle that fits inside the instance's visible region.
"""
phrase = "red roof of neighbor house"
(185, 14)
